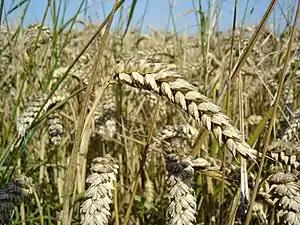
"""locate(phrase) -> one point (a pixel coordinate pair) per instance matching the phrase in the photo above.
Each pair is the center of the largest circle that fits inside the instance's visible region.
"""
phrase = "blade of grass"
(18, 5)
(132, 8)
(1, 11)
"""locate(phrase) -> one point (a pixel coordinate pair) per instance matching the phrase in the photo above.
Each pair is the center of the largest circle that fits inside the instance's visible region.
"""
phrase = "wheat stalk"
(166, 81)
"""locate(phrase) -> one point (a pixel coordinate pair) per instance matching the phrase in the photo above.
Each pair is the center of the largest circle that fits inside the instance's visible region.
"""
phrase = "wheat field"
(118, 126)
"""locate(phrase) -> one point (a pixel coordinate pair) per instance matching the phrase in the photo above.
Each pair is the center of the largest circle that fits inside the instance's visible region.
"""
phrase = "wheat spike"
(105, 117)
(16, 192)
(285, 193)
(166, 81)
(96, 210)
(26, 119)
(55, 127)
(182, 200)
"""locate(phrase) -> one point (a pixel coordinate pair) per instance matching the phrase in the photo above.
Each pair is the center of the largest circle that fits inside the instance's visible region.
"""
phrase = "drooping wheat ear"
(96, 210)
(178, 136)
(285, 193)
(166, 81)
(182, 200)
(26, 119)
(16, 192)
(55, 127)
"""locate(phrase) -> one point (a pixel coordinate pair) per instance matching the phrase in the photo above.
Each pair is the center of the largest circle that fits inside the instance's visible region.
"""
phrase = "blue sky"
(158, 11)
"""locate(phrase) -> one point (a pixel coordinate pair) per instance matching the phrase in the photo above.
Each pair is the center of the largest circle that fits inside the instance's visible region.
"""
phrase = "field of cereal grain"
(119, 126)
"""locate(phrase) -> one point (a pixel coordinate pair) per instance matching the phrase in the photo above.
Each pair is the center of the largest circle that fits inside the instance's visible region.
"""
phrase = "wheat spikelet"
(96, 210)
(182, 201)
(16, 192)
(166, 81)
(26, 119)
(55, 127)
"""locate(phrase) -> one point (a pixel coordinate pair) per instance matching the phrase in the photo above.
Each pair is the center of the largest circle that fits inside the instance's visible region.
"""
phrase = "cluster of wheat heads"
(159, 64)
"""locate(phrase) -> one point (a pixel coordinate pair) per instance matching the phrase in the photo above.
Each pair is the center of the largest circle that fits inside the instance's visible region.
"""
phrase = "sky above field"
(156, 13)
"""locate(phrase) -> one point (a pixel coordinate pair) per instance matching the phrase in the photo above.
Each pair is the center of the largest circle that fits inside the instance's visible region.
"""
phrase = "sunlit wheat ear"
(182, 200)
(26, 119)
(96, 209)
(165, 80)
(55, 127)
(285, 193)
(16, 192)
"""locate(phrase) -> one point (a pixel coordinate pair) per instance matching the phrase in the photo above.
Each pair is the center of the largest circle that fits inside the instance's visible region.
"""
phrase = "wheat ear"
(96, 210)
(182, 200)
(165, 80)
(27, 118)
(55, 127)
(16, 192)
(285, 193)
